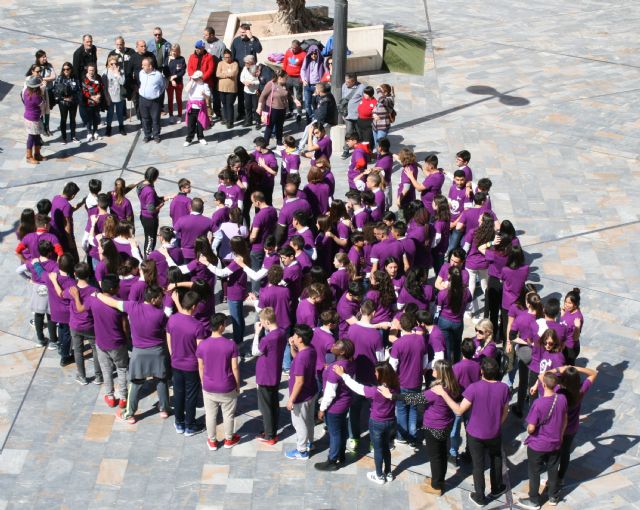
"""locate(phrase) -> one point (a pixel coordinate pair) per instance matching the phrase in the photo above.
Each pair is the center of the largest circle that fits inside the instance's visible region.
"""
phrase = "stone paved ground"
(545, 96)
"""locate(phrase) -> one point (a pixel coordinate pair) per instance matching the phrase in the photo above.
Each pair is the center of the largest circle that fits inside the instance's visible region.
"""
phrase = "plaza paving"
(545, 96)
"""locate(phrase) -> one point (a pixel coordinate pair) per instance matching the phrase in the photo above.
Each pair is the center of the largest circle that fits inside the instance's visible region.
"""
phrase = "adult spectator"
(227, 73)
(273, 101)
(48, 75)
(136, 66)
(352, 91)
(313, 68)
(86, 54)
(249, 77)
(198, 97)
(124, 60)
(214, 47)
(383, 113)
(292, 65)
(202, 61)
(245, 43)
(151, 94)
(177, 70)
(326, 112)
(66, 91)
(92, 91)
(115, 94)
(161, 49)
(33, 100)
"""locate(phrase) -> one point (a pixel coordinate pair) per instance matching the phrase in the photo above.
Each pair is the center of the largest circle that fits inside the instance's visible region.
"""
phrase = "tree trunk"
(294, 16)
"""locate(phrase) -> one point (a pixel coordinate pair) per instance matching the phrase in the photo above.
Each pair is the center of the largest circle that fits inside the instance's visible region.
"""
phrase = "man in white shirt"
(151, 93)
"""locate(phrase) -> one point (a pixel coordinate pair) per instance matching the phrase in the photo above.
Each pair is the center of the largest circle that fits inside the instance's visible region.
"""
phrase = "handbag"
(265, 117)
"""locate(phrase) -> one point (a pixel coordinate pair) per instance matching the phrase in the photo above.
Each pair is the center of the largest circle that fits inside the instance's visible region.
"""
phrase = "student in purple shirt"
(488, 400)
(81, 323)
(190, 227)
(317, 191)
(382, 423)
(476, 263)
(276, 296)
(150, 205)
(220, 375)
(415, 289)
(457, 258)
(437, 421)
(184, 332)
(111, 343)
(546, 423)
(384, 161)
(221, 213)
(409, 359)
(458, 201)
(483, 341)
(323, 340)
(574, 390)
(432, 184)
(264, 224)
(59, 306)
(451, 304)
(573, 320)
(62, 217)
(307, 311)
(547, 355)
(334, 406)
(348, 307)
(266, 160)
(181, 203)
(269, 349)
(497, 255)
(302, 390)
(406, 190)
(149, 354)
(319, 145)
(513, 277)
(292, 203)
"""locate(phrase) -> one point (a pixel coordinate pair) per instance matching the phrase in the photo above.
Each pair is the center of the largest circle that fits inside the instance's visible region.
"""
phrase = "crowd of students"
(361, 303)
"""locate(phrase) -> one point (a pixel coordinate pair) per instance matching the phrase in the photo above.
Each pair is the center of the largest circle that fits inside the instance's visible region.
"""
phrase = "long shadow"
(608, 381)
(484, 90)
(9, 231)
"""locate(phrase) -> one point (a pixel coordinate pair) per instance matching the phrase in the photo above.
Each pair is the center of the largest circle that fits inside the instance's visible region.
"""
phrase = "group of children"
(362, 308)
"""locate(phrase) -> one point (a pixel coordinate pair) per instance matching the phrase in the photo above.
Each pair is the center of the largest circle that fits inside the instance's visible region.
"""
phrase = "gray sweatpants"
(117, 359)
(303, 421)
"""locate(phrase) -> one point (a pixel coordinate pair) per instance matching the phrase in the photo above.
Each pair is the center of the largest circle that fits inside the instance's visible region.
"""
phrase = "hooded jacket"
(311, 71)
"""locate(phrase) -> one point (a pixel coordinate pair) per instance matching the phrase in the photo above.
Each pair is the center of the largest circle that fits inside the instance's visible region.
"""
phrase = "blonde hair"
(176, 47)
(487, 326)
(112, 58)
(378, 174)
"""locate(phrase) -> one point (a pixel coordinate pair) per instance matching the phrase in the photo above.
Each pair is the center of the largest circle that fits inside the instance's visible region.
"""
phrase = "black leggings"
(494, 311)
(150, 228)
(69, 109)
(276, 124)
(565, 455)
(38, 323)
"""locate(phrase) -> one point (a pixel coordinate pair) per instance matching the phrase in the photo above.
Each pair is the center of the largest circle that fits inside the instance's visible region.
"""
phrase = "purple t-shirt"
(548, 434)
(31, 241)
(125, 287)
(189, 228)
(368, 343)
(513, 281)
(123, 210)
(147, 324)
(385, 161)
(136, 292)
(471, 216)
(307, 313)
(444, 274)
(107, 324)
(304, 364)
(184, 331)
(289, 208)
(219, 216)
(80, 321)
(322, 342)
(278, 298)
(475, 259)
(236, 283)
(59, 306)
(405, 181)
(339, 282)
(446, 312)
(61, 210)
(384, 249)
(409, 351)
(441, 227)
(269, 364)
(149, 200)
(180, 206)
(382, 409)
(435, 342)
(216, 354)
(357, 165)
(433, 186)
(496, 261)
(568, 320)
(234, 194)
(467, 371)
(360, 218)
(488, 400)
(573, 413)
(290, 165)
(488, 351)
(342, 400)
(325, 148)
(458, 201)
(292, 275)
(437, 415)
(550, 360)
(317, 194)
(560, 329)
(265, 221)
(404, 298)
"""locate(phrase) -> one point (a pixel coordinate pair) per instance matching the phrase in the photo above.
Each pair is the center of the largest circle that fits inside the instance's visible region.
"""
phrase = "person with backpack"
(383, 113)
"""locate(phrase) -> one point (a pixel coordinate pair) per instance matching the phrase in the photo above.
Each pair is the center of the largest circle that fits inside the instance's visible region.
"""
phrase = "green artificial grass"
(404, 53)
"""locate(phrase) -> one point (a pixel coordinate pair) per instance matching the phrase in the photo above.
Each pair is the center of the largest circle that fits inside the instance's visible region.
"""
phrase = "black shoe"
(147, 139)
(107, 131)
(477, 500)
(464, 457)
(453, 460)
(258, 126)
(329, 465)
(528, 503)
(516, 410)
(345, 155)
(122, 131)
(66, 361)
(298, 119)
(497, 493)
(157, 139)
(229, 125)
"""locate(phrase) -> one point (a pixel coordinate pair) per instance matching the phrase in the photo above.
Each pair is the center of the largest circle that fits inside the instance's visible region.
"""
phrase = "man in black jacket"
(244, 44)
(136, 66)
(86, 54)
(124, 56)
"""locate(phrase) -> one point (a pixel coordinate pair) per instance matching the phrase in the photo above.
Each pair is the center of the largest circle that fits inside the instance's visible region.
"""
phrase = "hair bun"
(576, 290)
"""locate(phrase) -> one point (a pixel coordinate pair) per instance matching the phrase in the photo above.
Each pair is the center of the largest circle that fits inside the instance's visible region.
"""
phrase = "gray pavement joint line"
(581, 234)
(24, 397)
(19, 351)
(45, 36)
(67, 177)
(17, 336)
(131, 149)
(584, 287)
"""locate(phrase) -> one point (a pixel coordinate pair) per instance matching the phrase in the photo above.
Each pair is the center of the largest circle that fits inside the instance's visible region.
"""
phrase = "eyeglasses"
(113, 63)
(480, 331)
(552, 344)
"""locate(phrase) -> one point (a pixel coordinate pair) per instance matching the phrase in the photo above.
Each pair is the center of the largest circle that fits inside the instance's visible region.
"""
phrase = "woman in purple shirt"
(437, 421)
(441, 232)
(485, 345)
(451, 303)
(150, 205)
(33, 108)
(317, 191)
(382, 421)
(573, 320)
(476, 263)
(334, 406)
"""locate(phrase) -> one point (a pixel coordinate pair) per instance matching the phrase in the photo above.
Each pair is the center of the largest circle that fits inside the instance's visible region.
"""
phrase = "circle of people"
(346, 307)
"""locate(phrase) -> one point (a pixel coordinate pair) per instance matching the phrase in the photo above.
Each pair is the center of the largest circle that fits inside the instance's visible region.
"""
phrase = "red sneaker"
(131, 420)
(264, 440)
(212, 444)
(230, 443)
(122, 403)
(109, 400)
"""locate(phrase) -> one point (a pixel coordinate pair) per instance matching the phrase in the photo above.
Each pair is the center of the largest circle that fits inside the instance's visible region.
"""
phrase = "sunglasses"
(480, 331)
(66, 69)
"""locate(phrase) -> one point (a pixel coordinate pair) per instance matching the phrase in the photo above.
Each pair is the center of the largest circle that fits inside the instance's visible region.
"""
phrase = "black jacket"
(326, 111)
(240, 48)
(81, 59)
(136, 64)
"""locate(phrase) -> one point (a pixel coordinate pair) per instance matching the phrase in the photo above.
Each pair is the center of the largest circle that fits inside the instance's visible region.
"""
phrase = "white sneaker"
(372, 476)
(178, 120)
(203, 141)
(96, 136)
(186, 144)
(88, 138)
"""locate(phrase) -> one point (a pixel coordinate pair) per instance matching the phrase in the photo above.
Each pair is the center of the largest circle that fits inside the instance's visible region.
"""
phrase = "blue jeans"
(119, 111)
(337, 428)
(237, 320)
(407, 416)
(186, 386)
(381, 433)
(456, 440)
(257, 258)
(454, 240)
(64, 340)
(379, 135)
(286, 361)
(309, 102)
(355, 413)
(452, 332)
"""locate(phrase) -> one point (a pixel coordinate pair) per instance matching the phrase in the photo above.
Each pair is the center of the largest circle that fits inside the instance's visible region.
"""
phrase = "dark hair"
(70, 189)
(468, 348)
(304, 332)
(346, 346)
(485, 231)
(151, 174)
(455, 290)
(574, 296)
(242, 153)
(149, 272)
(227, 52)
(261, 142)
(189, 300)
(128, 265)
(534, 301)
(202, 288)
(220, 196)
(459, 173)
(240, 247)
(516, 257)
(280, 73)
(415, 281)
(82, 270)
(45, 247)
(203, 247)
(110, 255)
(490, 369)
(550, 333)
(329, 317)
(167, 233)
(353, 136)
(95, 186)
(104, 201)
(384, 144)
(286, 251)
(27, 223)
(431, 160)
(197, 205)
(458, 253)
(506, 227)
(110, 283)
(464, 155)
(368, 307)
(301, 217)
(552, 307)
(218, 319)
(479, 197)
(570, 380)
(423, 316)
(183, 182)
(484, 184)
(275, 274)
(368, 90)
(66, 263)
(386, 375)
(338, 211)
(407, 322)
(355, 289)
(44, 206)
(384, 286)
(442, 211)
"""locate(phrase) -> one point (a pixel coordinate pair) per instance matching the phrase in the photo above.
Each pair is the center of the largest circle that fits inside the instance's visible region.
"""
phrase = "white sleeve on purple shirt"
(353, 385)
(328, 395)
